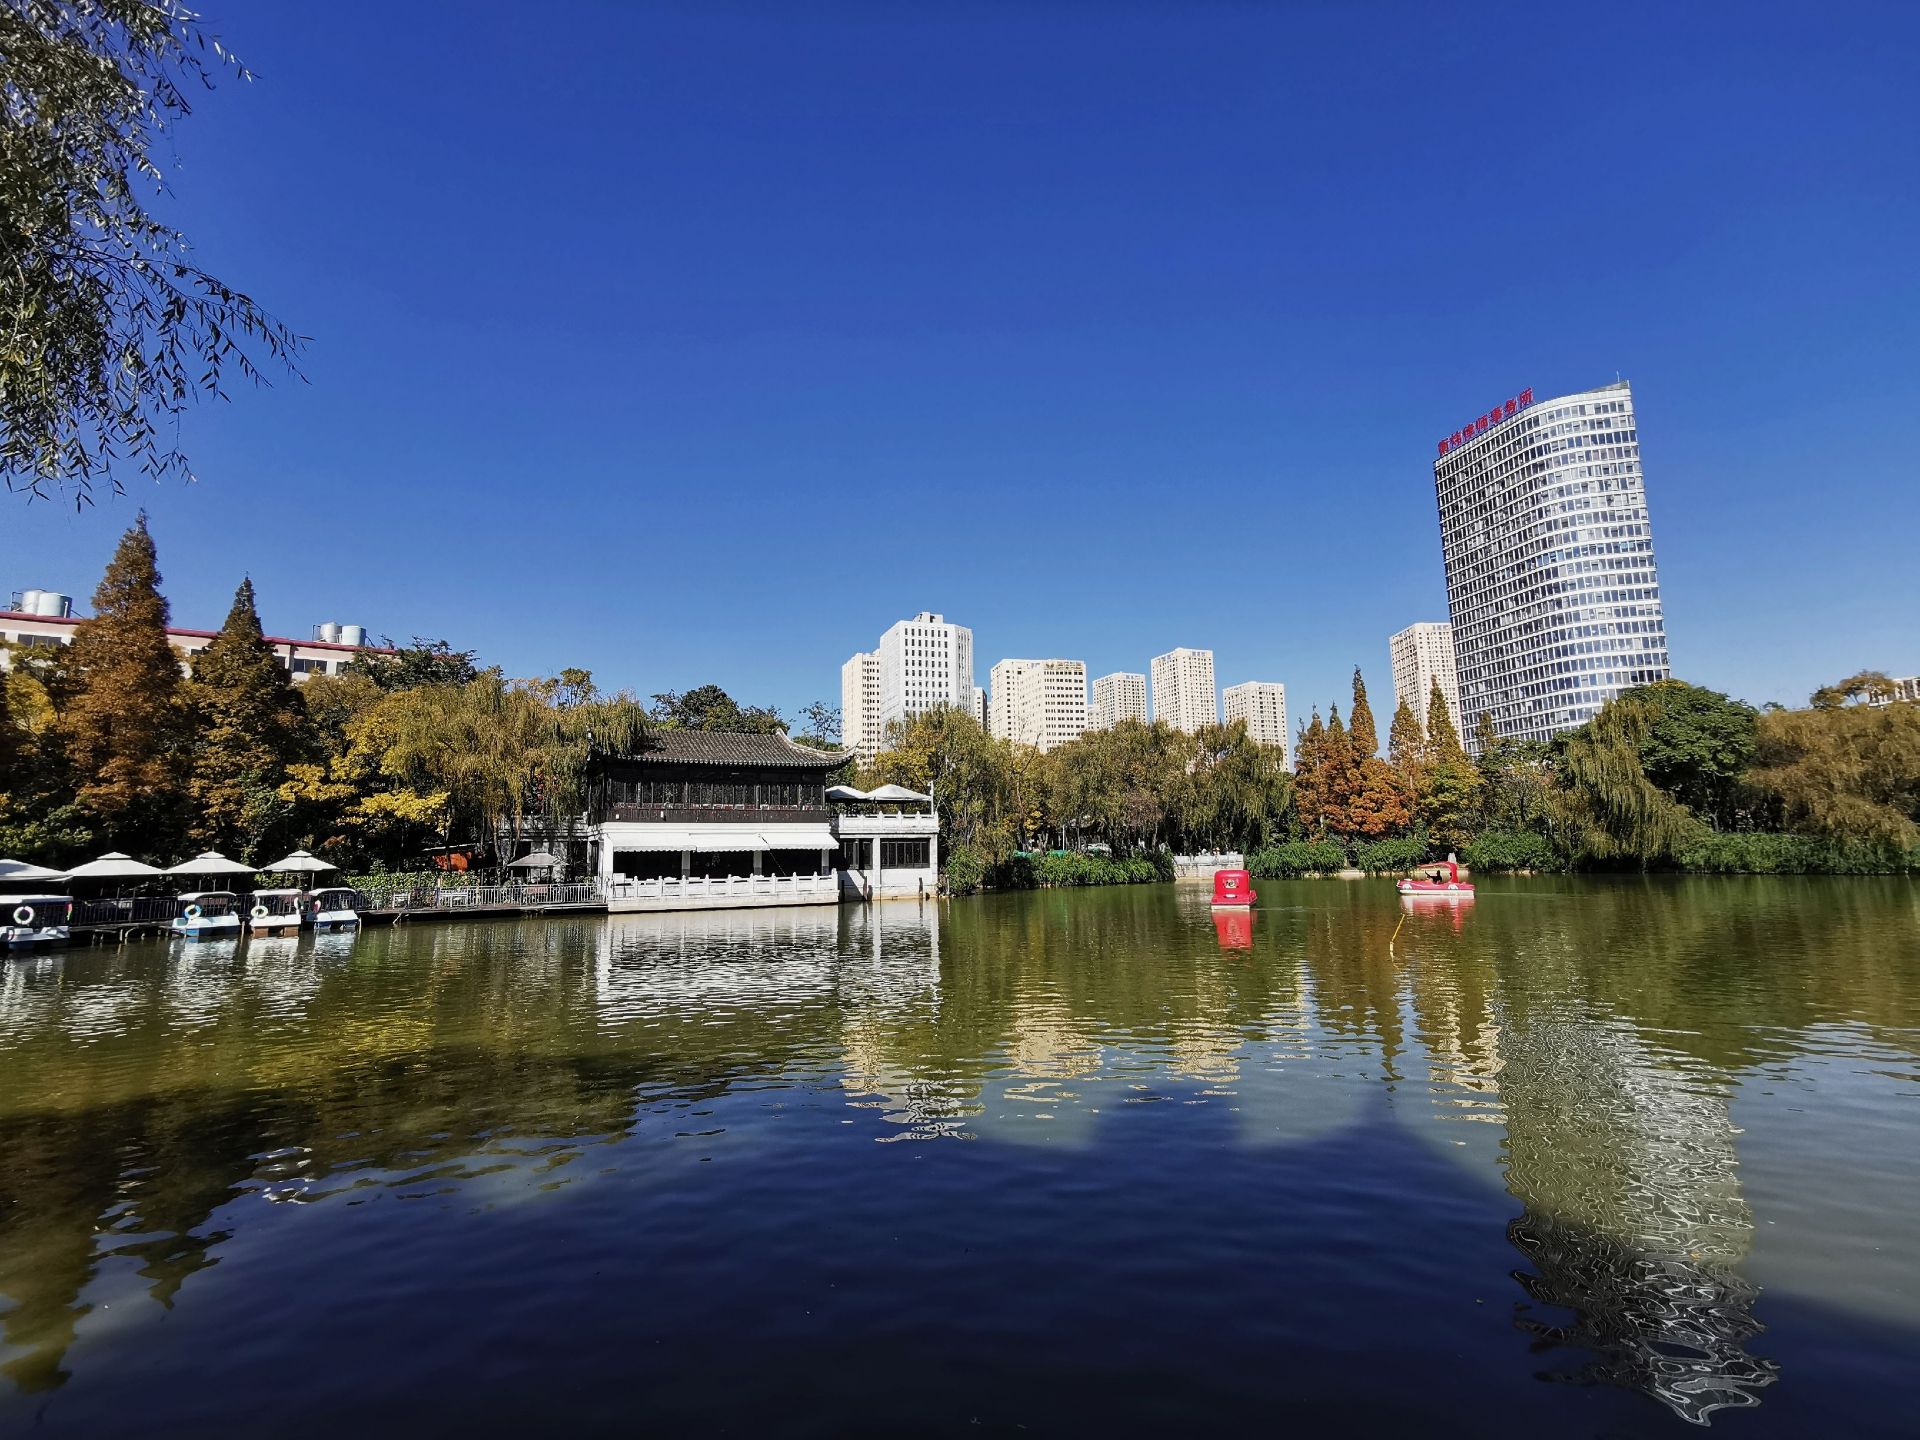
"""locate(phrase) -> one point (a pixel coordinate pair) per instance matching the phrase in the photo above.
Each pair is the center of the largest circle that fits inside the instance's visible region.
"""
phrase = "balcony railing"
(524, 896)
(726, 814)
(703, 890)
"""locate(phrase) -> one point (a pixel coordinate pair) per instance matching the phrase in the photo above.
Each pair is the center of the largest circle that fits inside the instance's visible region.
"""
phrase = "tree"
(1869, 686)
(944, 753)
(1361, 733)
(1698, 746)
(123, 725)
(708, 707)
(1236, 793)
(108, 330)
(823, 726)
(1609, 809)
(1516, 783)
(250, 724)
(1848, 773)
(1448, 798)
(1311, 776)
(407, 667)
(1406, 743)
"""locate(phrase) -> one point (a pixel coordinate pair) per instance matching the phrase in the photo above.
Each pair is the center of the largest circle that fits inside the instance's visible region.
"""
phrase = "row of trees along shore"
(106, 745)
(1667, 776)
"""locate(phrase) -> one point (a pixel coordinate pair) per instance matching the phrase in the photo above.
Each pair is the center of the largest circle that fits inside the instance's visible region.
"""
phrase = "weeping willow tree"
(1608, 808)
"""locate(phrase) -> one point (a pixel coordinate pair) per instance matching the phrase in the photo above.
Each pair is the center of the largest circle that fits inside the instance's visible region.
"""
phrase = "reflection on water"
(1553, 1073)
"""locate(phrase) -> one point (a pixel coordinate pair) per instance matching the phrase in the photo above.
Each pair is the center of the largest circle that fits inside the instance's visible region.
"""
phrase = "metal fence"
(137, 909)
(477, 897)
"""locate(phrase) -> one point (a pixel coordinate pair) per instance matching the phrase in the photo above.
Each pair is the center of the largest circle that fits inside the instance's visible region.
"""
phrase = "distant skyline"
(718, 338)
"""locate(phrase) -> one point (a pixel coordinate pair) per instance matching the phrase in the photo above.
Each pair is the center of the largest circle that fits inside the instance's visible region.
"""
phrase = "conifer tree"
(1443, 738)
(1448, 797)
(123, 722)
(1406, 741)
(1310, 774)
(1361, 731)
(250, 725)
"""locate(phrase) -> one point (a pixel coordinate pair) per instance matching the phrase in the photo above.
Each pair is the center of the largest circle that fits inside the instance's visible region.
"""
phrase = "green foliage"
(1609, 810)
(1869, 686)
(708, 707)
(1297, 858)
(1081, 869)
(423, 662)
(1850, 774)
(111, 330)
(248, 723)
(1492, 851)
(1697, 747)
(964, 869)
(1388, 857)
(1775, 854)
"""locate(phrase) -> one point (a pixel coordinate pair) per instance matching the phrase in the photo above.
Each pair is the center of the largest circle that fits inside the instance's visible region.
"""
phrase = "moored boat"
(35, 920)
(207, 915)
(1432, 886)
(1233, 890)
(276, 912)
(333, 908)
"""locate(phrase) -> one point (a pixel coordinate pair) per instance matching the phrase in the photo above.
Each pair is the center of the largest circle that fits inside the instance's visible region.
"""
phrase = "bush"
(1382, 857)
(1770, 854)
(1297, 858)
(965, 869)
(1496, 850)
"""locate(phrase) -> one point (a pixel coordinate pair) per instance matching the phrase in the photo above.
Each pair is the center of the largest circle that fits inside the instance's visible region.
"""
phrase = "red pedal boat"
(1233, 890)
(1451, 888)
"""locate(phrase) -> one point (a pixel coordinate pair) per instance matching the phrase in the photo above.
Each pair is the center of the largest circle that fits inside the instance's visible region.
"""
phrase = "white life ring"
(259, 912)
(193, 912)
(23, 914)
(1452, 886)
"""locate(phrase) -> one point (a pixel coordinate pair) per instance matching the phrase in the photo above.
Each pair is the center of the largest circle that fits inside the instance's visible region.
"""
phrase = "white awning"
(721, 839)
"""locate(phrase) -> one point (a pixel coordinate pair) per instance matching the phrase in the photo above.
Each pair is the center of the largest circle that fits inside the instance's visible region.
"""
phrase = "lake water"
(1586, 1157)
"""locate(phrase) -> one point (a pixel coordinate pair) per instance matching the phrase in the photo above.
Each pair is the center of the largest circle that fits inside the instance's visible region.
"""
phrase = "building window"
(905, 854)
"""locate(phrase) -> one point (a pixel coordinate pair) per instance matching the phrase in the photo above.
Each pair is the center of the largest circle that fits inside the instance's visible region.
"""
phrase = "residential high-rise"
(1551, 584)
(1423, 654)
(980, 706)
(1263, 705)
(1042, 703)
(1116, 697)
(1183, 692)
(860, 705)
(925, 663)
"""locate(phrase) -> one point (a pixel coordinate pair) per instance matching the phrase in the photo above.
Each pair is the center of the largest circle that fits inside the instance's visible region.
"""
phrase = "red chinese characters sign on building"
(1506, 410)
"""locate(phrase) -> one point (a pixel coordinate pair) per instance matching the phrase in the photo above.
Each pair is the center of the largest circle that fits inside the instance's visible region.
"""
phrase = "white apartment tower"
(1263, 705)
(980, 706)
(860, 705)
(1551, 584)
(1183, 691)
(1042, 703)
(1116, 697)
(925, 663)
(1423, 654)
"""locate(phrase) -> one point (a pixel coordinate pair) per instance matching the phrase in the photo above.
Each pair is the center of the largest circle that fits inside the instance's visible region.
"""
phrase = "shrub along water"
(1296, 858)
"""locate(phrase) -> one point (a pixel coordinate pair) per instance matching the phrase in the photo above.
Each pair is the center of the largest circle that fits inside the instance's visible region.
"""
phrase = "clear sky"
(701, 342)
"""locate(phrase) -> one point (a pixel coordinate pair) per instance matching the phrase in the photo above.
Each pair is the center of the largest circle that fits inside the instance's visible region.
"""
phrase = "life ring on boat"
(1452, 886)
(23, 914)
(193, 912)
(259, 912)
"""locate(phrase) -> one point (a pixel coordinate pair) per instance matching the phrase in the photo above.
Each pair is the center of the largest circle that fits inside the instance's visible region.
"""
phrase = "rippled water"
(1606, 1157)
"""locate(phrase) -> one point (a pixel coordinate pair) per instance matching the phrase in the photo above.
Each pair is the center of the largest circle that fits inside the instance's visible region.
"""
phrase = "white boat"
(35, 920)
(207, 915)
(276, 912)
(332, 908)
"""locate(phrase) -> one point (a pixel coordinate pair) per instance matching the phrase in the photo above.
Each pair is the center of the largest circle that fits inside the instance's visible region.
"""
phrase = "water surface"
(1602, 1156)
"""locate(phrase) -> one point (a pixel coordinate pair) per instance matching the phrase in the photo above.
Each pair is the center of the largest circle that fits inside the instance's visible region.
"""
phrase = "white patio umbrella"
(114, 866)
(538, 860)
(21, 870)
(300, 863)
(210, 862)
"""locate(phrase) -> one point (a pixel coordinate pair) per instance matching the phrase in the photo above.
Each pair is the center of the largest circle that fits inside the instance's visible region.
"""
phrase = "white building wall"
(1551, 584)
(860, 729)
(925, 663)
(1422, 654)
(1116, 697)
(980, 706)
(1263, 705)
(300, 658)
(1183, 690)
(1042, 703)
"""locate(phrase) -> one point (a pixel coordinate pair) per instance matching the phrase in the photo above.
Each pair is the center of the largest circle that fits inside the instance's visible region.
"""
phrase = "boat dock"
(479, 902)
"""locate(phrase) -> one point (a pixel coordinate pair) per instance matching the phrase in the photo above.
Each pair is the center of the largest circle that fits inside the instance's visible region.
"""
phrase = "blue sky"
(701, 342)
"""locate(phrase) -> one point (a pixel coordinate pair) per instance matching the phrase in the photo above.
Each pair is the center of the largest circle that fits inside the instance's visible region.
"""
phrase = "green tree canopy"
(1850, 773)
(708, 707)
(1697, 747)
(110, 329)
(423, 662)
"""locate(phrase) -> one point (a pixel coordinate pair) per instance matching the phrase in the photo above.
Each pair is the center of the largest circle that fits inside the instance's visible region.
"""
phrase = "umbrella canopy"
(898, 793)
(209, 862)
(21, 870)
(300, 862)
(113, 866)
(538, 860)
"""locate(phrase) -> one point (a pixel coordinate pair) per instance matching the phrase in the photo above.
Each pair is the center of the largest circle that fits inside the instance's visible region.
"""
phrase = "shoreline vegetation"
(420, 751)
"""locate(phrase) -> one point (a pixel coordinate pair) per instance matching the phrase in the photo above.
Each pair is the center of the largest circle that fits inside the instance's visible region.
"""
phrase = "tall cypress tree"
(250, 724)
(1449, 795)
(1406, 742)
(1443, 739)
(1361, 731)
(123, 723)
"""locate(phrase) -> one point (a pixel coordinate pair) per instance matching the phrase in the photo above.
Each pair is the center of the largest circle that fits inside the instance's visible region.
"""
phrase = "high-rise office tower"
(925, 663)
(1116, 697)
(1551, 584)
(1263, 705)
(1423, 655)
(1042, 703)
(1183, 692)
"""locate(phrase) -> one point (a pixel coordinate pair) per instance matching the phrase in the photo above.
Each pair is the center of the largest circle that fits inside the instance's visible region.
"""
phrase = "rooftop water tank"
(50, 603)
(353, 634)
(24, 602)
(328, 632)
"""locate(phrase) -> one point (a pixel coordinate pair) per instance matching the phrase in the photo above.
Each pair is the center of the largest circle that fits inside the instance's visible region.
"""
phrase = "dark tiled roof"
(725, 747)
